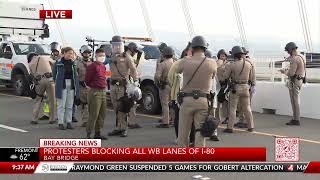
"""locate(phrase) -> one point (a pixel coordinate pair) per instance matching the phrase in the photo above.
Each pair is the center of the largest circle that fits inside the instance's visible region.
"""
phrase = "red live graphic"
(153, 154)
(55, 14)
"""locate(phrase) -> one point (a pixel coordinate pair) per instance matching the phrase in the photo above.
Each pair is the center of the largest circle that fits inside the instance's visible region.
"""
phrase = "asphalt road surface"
(16, 131)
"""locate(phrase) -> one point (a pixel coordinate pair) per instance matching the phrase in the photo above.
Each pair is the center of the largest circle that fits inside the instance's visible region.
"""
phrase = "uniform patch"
(286, 149)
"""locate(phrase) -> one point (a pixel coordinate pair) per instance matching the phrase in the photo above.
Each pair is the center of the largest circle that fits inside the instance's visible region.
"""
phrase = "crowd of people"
(191, 88)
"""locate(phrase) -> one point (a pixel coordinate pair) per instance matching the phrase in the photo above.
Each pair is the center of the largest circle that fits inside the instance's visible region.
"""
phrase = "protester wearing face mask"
(82, 65)
(96, 80)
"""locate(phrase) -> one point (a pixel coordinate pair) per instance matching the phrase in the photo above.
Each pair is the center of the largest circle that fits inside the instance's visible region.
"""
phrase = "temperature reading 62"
(24, 156)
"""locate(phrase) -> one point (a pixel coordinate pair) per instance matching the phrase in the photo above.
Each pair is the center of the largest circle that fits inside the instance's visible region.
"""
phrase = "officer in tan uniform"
(297, 76)
(161, 80)
(121, 67)
(135, 54)
(242, 122)
(40, 68)
(222, 106)
(198, 74)
(242, 75)
(82, 65)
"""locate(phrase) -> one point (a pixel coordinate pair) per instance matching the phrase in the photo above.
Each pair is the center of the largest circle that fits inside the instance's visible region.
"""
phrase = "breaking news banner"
(104, 167)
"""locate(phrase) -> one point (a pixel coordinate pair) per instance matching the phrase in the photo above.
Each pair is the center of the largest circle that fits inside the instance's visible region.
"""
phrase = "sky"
(269, 24)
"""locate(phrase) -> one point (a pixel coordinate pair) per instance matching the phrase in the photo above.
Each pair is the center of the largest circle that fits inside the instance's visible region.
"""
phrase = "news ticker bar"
(144, 154)
(104, 167)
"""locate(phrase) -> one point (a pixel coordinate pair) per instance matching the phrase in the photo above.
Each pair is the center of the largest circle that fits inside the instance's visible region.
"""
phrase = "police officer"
(297, 76)
(241, 123)
(242, 75)
(161, 80)
(55, 51)
(222, 106)
(133, 52)
(121, 67)
(82, 65)
(40, 68)
(198, 74)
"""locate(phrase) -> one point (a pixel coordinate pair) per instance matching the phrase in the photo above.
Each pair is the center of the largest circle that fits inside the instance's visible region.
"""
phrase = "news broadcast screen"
(159, 89)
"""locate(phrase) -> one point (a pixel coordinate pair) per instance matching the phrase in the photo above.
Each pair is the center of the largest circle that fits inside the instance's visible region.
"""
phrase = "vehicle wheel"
(150, 100)
(19, 84)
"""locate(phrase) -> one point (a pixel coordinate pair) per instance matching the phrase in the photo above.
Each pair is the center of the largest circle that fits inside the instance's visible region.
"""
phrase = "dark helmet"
(290, 46)
(208, 53)
(162, 46)
(168, 51)
(116, 39)
(55, 46)
(31, 55)
(133, 46)
(236, 50)
(222, 51)
(199, 41)
(245, 50)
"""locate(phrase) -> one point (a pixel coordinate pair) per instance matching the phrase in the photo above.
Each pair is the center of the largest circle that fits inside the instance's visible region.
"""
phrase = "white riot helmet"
(85, 48)
(134, 92)
(117, 45)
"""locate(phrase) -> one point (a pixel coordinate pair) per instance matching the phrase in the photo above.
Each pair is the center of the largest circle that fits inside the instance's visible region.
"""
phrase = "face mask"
(101, 59)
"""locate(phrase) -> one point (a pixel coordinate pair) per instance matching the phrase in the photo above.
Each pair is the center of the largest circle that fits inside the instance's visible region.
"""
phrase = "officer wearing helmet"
(135, 54)
(55, 51)
(161, 80)
(82, 65)
(242, 76)
(161, 47)
(198, 74)
(242, 122)
(121, 67)
(296, 77)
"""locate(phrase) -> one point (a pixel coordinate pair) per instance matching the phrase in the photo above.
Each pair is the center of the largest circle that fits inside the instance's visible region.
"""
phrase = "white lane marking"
(12, 128)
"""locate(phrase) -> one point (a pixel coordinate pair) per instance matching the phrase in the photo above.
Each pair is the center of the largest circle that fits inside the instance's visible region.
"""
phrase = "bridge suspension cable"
(238, 16)
(185, 9)
(58, 25)
(111, 17)
(146, 19)
(305, 25)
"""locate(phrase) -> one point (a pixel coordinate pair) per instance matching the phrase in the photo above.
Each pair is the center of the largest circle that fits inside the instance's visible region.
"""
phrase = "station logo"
(55, 14)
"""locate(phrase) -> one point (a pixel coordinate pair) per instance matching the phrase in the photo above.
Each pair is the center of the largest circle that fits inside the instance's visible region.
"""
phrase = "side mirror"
(7, 55)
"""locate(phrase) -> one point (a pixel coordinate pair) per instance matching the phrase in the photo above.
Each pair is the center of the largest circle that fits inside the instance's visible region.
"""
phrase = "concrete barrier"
(275, 96)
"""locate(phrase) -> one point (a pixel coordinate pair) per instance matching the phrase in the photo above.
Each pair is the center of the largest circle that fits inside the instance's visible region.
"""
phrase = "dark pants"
(176, 125)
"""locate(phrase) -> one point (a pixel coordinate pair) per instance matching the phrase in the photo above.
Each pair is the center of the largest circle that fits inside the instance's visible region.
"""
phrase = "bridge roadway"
(16, 130)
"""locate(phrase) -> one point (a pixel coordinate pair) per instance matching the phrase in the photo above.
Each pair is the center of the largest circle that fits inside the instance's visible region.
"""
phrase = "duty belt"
(119, 82)
(194, 94)
(241, 82)
(45, 75)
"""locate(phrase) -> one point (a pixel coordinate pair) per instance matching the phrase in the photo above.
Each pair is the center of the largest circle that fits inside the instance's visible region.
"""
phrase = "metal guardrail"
(266, 70)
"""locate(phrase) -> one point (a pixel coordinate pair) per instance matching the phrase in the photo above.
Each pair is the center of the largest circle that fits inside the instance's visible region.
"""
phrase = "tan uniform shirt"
(163, 70)
(203, 79)
(123, 66)
(297, 65)
(82, 68)
(44, 65)
(233, 71)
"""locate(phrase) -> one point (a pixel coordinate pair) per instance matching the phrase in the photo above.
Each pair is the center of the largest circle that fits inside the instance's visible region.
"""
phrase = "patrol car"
(20, 29)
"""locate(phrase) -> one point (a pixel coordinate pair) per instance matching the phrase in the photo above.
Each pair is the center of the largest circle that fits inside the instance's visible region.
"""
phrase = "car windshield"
(151, 52)
(26, 48)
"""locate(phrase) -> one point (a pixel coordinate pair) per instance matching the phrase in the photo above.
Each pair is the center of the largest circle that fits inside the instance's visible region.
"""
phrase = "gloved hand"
(77, 102)
(136, 83)
(253, 90)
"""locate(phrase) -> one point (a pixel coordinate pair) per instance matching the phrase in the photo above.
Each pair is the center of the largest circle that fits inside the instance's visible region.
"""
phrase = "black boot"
(214, 138)
(115, 132)
(69, 126)
(163, 126)
(293, 123)
(124, 133)
(228, 130)
(61, 127)
(97, 135)
(74, 119)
